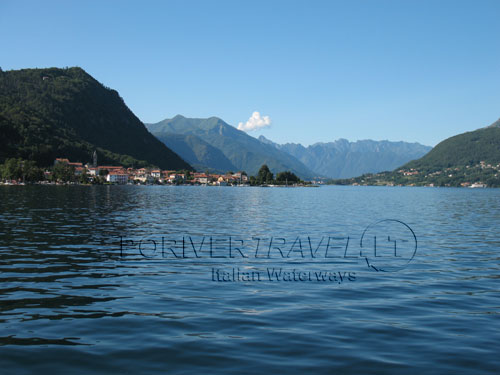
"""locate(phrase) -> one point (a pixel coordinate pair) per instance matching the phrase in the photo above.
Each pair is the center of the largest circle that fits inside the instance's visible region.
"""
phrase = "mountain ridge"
(343, 159)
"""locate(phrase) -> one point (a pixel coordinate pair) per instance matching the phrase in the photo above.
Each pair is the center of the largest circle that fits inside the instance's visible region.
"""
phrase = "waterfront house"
(200, 178)
(79, 171)
(117, 177)
(240, 177)
(221, 181)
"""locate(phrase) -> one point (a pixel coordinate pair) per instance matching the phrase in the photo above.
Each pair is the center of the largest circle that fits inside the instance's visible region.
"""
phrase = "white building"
(117, 177)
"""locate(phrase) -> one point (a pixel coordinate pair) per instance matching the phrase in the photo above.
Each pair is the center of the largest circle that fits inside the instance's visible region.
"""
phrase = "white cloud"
(256, 121)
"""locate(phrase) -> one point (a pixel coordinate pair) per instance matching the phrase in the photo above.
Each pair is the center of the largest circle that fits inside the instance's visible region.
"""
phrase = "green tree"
(12, 169)
(264, 176)
(18, 169)
(287, 177)
(84, 177)
(31, 173)
(63, 173)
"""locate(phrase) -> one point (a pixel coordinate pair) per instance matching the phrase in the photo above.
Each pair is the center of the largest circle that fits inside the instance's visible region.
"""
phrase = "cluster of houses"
(411, 172)
(121, 175)
(451, 172)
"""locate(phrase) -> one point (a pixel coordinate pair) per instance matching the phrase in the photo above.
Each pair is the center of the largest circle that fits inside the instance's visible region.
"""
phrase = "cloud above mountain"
(256, 121)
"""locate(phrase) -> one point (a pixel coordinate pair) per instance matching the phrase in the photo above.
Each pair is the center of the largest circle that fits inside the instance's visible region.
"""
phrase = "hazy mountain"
(49, 113)
(243, 151)
(343, 159)
(197, 152)
(461, 160)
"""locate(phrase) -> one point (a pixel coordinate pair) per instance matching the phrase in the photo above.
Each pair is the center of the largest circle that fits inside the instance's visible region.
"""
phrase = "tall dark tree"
(264, 175)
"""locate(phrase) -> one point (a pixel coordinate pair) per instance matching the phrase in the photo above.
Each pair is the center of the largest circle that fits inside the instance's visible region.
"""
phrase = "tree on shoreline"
(287, 177)
(264, 176)
(63, 173)
(20, 170)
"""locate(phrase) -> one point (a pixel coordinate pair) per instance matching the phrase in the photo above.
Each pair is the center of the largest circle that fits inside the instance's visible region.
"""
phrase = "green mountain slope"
(464, 149)
(496, 124)
(243, 151)
(49, 113)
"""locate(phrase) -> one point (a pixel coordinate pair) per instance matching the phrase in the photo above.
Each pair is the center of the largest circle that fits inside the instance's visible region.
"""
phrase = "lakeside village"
(121, 176)
(20, 172)
(478, 175)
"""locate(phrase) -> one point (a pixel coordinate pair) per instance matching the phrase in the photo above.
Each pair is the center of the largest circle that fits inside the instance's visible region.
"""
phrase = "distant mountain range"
(50, 113)
(217, 146)
(343, 159)
(211, 144)
(461, 160)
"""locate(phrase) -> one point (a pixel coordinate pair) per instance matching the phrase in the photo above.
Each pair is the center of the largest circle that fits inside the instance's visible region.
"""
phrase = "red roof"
(117, 173)
(108, 167)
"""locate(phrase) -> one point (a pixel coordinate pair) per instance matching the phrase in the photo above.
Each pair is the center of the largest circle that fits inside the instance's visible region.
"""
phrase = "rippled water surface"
(126, 279)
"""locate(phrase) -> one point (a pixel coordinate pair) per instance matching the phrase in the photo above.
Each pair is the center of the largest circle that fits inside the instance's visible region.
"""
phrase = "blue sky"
(418, 71)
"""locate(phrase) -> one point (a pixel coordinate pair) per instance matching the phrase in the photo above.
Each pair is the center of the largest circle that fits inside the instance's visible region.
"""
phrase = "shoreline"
(111, 184)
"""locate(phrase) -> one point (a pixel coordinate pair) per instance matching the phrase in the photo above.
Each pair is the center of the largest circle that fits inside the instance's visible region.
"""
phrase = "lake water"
(145, 279)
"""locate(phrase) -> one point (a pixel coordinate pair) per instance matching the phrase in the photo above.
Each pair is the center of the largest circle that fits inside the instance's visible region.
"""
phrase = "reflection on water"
(69, 300)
